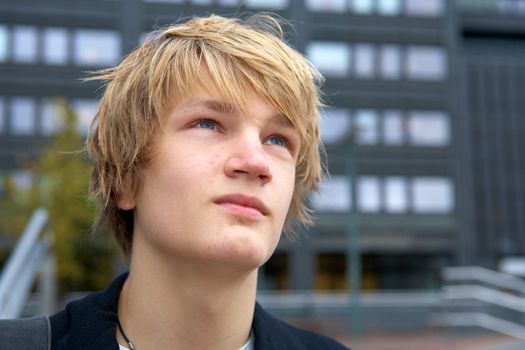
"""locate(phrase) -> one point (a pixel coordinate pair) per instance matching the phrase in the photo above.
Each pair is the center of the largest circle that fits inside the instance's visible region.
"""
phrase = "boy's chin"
(245, 260)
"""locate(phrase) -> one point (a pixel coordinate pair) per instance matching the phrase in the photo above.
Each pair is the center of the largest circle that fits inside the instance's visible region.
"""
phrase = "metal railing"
(488, 289)
(31, 256)
(483, 275)
(312, 300)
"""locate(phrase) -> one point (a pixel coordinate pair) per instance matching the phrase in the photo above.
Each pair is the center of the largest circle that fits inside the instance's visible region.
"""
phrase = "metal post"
(48, 292)
(353, 252)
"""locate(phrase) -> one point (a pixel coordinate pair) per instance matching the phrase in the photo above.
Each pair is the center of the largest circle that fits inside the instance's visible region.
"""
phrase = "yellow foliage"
(84, 261)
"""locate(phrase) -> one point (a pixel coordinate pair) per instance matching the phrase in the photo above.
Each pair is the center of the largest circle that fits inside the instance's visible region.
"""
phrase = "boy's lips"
(252, 207)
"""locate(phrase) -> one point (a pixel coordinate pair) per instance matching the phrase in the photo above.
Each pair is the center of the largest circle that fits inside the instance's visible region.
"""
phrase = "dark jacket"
(90, 324)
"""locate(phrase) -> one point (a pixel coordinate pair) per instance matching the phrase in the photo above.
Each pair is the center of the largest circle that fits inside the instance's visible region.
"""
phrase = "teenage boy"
(205, 147)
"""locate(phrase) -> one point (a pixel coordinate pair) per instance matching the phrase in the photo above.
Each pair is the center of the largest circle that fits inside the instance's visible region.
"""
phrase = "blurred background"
(420, 231)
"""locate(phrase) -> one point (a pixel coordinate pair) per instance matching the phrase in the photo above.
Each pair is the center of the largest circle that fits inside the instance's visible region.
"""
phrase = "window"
(513, 7)
(55, 46)
(395, 194)
(520, 7)
(201, 2)
(368, 194)
(366, 123)
(427, 8)
(267, 4)
(389, 7)
(428, 128)
(4, 43)
(393, 128)
(22, 178)
(426, 63)
(22, 115)
(432, 195)
(24, 44)
(331, 272)
(335, 124)
(86, 111)
(147, 36)
(331, 58)
(364, 60)
(96, 47)
(166, 1)
(390, 62)
(52, 118)
(232, 3)
(326, 5)
(334, 195)
(362, 7)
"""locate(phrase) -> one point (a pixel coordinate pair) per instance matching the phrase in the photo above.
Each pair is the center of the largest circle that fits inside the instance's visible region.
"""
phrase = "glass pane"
(430, 8)
(396, 200)
(432, 195)
(335, 124)
(362, 7)
(390, 62)
(267, 4)
(201, 2)
(334, 195)
(166, 1)
(520, 7)
(147, 36)
(327, 5)
(329, 57)
(389, 7)
(52, 118)
(22, 178)
(368, 195)
(24, 44)
(393, 129)
(229, 2)
(86, 111)
(366, 123)
(55, 45)
(428, 128)
(4, 43)
(22, 115)
(364, 60)
(426, 63)
(96, 47)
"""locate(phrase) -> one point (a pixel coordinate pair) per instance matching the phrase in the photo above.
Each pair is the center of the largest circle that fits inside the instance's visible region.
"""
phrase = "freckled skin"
(175, 211)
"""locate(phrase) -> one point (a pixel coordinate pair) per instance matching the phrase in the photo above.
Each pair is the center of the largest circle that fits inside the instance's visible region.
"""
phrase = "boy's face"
(220, 185)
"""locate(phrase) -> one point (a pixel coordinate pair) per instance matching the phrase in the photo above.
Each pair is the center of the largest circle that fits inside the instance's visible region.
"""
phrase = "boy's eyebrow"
(280, 119)
(228, 108)
(217, 106)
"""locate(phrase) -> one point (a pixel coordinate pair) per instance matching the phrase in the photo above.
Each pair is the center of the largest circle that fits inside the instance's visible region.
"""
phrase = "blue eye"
(205, 124)
(275, 140)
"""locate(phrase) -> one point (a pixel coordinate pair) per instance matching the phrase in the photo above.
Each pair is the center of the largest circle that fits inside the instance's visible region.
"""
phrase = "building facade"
(422, 129)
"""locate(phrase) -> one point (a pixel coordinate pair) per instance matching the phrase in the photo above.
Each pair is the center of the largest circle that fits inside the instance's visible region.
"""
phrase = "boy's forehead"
(210, 99)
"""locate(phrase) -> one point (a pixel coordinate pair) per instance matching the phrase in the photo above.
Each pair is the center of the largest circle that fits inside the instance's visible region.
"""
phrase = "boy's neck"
(173, 304)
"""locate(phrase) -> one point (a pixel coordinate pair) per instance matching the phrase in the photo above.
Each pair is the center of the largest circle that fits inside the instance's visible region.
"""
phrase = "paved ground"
(434, 340)
(429, 339)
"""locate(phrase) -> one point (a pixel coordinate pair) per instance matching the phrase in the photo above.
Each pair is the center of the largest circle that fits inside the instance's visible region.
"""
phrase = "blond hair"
(237, 55)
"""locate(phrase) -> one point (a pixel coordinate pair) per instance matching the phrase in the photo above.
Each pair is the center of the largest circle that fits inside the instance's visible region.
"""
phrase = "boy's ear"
(125, 201)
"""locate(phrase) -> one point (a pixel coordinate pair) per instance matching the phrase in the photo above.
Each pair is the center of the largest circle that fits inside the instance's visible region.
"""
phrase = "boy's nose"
(248, 159)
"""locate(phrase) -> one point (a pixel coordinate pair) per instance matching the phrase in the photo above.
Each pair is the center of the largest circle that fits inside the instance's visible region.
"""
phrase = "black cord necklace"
(130, 344)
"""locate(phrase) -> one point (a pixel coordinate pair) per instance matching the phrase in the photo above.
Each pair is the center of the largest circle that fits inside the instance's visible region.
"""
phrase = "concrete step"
(518, 345)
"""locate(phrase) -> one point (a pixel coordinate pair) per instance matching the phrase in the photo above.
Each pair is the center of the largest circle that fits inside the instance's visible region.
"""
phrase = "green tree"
(84, 261)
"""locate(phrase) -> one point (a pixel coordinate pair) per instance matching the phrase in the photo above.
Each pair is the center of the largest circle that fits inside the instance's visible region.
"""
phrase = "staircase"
(31, 261)
(479, 297)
